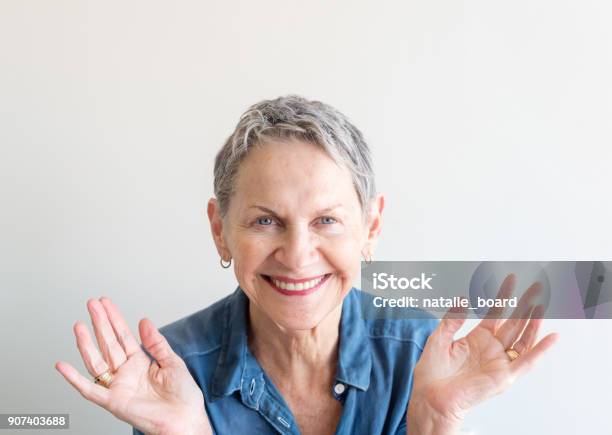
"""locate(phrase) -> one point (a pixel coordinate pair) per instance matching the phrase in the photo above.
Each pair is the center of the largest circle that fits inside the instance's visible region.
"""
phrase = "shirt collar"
(227, 377)
(354, 354)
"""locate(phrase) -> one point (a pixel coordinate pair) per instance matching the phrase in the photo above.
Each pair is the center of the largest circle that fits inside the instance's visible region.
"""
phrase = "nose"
(298, 249)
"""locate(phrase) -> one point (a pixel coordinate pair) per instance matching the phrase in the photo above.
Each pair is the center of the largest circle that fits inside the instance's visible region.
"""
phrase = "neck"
(295, 355)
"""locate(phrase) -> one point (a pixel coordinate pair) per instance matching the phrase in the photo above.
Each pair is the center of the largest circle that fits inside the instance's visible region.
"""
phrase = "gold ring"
(512, 354)
(104, 379)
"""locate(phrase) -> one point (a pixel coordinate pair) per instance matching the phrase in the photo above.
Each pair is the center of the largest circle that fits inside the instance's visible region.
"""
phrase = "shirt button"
(339, 388)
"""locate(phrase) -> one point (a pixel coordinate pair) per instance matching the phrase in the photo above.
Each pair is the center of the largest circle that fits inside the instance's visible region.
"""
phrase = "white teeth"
(297, 287)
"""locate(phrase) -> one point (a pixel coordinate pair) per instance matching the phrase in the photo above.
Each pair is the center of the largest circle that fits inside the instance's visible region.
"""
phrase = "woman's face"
(295, 232)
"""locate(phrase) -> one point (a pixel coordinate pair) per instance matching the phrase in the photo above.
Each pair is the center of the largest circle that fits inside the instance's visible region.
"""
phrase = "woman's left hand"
(454, 375)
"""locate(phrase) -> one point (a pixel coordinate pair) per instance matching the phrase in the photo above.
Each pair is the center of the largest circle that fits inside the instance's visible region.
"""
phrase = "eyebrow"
(272, 212)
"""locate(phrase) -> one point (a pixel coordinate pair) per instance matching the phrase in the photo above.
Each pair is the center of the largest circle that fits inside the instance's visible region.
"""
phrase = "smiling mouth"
(302, 288)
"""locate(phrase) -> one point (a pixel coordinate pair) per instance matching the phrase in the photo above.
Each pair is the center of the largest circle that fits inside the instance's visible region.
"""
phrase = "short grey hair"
(294, 117)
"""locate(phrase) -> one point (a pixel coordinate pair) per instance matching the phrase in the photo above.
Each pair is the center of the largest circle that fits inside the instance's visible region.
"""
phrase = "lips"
(296, 287)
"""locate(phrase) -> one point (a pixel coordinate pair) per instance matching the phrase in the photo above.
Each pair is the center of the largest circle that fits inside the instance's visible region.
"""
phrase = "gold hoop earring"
(367, 260)
(223, 265)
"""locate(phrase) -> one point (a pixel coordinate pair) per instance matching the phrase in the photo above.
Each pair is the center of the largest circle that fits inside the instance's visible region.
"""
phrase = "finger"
(450, 324)
(526, 362)
(493, 318)
(111, 350)
(122, 331)
(531, 331)
(156, 344)
(94, 362)
(90, 391)
(512, 328)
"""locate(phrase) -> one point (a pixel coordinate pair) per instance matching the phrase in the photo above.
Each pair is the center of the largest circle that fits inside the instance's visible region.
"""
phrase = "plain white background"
(489, 123)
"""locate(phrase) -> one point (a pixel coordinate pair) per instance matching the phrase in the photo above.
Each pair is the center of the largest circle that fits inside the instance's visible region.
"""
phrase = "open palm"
(454, 375)
(158, 397)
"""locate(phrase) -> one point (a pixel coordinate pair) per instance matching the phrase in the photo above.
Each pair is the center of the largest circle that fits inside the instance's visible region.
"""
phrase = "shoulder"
(409, 326)
(198, 333)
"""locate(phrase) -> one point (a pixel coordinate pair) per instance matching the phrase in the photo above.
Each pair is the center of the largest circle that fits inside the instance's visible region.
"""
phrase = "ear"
(374, 222)
(216, 228)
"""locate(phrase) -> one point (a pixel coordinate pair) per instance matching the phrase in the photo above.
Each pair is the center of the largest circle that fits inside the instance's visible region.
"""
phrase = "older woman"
(289, 351)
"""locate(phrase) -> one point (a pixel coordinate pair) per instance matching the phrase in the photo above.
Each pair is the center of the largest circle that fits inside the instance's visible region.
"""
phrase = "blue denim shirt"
(376, 359)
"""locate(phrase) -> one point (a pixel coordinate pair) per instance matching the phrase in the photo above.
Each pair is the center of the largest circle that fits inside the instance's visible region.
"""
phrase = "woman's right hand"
(157, 397)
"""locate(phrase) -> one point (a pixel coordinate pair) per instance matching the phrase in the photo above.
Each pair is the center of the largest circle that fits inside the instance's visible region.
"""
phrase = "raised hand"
(157, 397)
(454, 375)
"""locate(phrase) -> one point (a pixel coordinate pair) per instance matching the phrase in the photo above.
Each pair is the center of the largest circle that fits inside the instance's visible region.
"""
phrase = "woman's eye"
(328, 220)
(264, 221)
